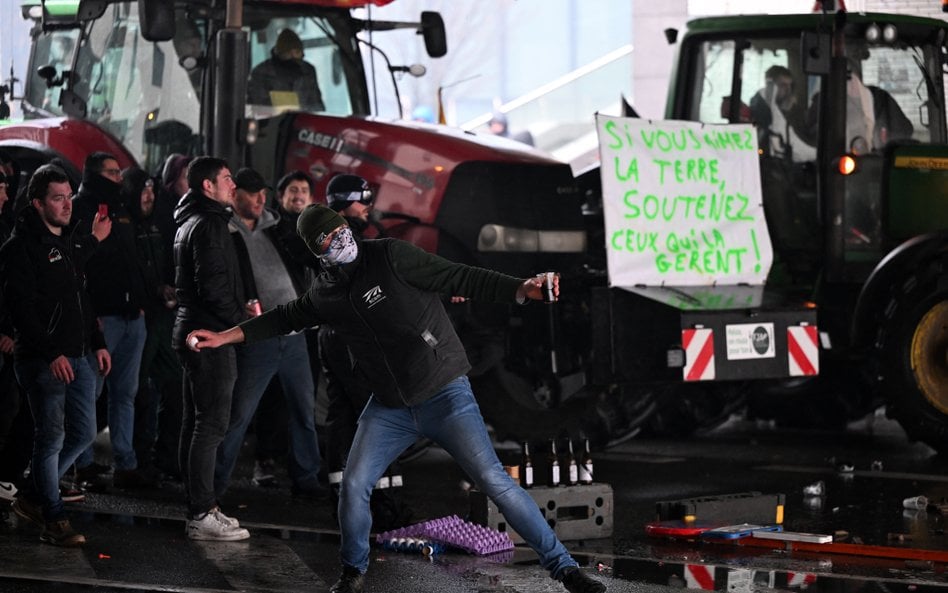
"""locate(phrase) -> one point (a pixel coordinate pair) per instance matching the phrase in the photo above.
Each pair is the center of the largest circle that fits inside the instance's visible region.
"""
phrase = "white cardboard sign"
(682, 203)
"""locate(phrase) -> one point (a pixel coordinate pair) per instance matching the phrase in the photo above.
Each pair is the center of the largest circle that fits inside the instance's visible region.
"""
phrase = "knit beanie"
(315, 223)
(286, 41)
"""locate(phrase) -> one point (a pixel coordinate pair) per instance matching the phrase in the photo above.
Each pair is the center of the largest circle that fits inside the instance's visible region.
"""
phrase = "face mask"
(343, 249)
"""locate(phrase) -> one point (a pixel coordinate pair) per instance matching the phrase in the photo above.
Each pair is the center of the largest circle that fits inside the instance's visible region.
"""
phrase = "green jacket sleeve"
(432, 273)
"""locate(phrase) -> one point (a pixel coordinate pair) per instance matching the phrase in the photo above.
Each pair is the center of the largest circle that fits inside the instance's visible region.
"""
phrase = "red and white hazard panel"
(803, 350)
(800, 579)
(699, 354)
(699, 576)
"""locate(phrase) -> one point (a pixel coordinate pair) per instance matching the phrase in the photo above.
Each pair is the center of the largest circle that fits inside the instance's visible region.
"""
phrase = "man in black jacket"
(117, 289)
(286, 79)
(210, 294)
(383, 297)
(41, 268)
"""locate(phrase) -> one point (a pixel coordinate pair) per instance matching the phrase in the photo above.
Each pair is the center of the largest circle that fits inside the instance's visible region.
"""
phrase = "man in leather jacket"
(383, 297)
(210, 294)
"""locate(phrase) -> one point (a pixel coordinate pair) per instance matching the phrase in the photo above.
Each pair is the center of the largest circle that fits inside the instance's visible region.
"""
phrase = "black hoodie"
(209, 286)
(43, 282)
(116, 285)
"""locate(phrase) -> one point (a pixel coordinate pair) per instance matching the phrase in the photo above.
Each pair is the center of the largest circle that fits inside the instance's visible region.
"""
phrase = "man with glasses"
(384, 298)
(41, 268)
(119, 297)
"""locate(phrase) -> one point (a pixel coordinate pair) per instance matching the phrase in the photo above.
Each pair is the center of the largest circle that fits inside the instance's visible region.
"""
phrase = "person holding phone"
(119, 297)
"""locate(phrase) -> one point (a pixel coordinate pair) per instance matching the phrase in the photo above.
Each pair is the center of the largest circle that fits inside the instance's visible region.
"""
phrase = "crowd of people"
(189, 302)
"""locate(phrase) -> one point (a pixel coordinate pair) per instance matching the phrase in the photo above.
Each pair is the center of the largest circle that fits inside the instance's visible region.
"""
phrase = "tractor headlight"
(495, 237)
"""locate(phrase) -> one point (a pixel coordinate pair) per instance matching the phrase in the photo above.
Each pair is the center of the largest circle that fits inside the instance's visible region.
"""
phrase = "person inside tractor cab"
(873, 117)
(286, 80)
(780, 118)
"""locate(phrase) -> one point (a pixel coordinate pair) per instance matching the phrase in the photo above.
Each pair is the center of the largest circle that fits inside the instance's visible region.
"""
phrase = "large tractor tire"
(913, 354)
(516, 410)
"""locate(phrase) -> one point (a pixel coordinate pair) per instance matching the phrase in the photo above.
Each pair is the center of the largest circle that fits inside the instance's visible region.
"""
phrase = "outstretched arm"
(203, 338)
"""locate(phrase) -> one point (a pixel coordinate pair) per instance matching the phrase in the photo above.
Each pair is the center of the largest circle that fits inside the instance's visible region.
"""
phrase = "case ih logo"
(373, 296)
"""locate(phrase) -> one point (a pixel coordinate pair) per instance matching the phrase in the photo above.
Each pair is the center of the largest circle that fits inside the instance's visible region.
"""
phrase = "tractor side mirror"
(90, 10)
(157, 19)
(815, 49)
(432, 29)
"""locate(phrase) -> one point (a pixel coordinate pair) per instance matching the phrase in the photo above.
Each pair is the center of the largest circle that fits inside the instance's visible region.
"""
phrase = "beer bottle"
(586, 467)
(553, 472)
(526, 467)
(572, 471)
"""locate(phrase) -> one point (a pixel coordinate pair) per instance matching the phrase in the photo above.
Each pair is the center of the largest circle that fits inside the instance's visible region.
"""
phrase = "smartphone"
(103, 211)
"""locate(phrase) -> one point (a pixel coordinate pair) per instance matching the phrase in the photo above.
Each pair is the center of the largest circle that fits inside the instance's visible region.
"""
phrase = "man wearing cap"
(383, 297)
(285, 74)
(269, 276)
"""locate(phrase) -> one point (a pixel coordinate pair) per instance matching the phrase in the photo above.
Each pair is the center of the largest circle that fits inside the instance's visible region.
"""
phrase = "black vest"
(401, 337)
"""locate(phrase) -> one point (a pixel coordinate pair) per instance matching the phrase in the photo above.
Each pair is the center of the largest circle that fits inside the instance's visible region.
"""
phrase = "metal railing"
(559, 115)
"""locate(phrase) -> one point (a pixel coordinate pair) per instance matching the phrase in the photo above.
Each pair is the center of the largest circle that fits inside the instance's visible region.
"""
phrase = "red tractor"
(147, 78)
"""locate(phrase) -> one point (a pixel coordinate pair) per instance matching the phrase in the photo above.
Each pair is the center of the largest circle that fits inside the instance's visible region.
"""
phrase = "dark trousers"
(209, 378)
(16, 426)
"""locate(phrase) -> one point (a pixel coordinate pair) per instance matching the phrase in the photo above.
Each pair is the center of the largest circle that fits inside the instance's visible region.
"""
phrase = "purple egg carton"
(455, 532)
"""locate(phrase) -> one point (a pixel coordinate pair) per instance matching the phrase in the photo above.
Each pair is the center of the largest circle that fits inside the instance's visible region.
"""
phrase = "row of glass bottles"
(574, 472)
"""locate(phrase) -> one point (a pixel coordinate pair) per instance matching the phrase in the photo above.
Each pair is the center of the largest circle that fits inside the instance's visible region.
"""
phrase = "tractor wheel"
(689, 408)
(913, 354)
(517, 410)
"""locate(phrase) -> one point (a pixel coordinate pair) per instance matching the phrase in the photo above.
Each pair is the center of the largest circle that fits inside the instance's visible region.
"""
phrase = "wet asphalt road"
(137, 542)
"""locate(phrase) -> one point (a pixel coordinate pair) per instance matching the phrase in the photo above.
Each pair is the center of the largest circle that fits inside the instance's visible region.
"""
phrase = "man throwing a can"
(383, 297)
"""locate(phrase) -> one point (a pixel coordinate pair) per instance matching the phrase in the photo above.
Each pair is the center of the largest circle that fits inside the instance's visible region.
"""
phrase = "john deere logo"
(760, 338)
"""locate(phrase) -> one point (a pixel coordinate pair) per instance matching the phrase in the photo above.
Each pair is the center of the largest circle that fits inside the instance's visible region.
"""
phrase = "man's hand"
(204, 338)
(62, 370)
(101, 227)
(6, 344)
(532, 288)
(105, 361)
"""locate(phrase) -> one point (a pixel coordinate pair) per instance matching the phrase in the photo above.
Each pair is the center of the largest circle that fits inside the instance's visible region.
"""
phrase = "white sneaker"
(216, 526)
(7, 491)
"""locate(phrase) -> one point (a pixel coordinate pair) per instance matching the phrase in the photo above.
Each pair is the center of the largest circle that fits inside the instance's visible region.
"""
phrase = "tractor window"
(774, 93)
(146, 94)
(281, 79)
(54, 48)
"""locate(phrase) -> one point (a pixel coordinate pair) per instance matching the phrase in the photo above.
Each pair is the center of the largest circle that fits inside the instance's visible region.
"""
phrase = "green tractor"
(850, 115)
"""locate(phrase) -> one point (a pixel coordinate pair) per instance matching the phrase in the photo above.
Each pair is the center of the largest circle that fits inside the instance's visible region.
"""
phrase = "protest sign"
(682, 203)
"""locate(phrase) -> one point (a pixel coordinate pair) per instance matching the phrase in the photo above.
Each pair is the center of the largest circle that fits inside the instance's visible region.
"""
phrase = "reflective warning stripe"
(699, 576)
(803, 351)
(800, 579)
(699, 354)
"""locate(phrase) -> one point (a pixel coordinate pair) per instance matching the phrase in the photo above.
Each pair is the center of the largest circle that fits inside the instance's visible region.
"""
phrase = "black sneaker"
(314, 492)
(264, 473)
(29, 510)
(70, 493)
(350, 581)
(89, 473)
(133, 478)
(576, 581)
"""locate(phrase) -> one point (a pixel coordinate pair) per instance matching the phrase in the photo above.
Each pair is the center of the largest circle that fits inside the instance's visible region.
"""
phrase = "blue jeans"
(453, 420)
(209, 378)
(285, 357)
(64, 417)
(125, 340)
